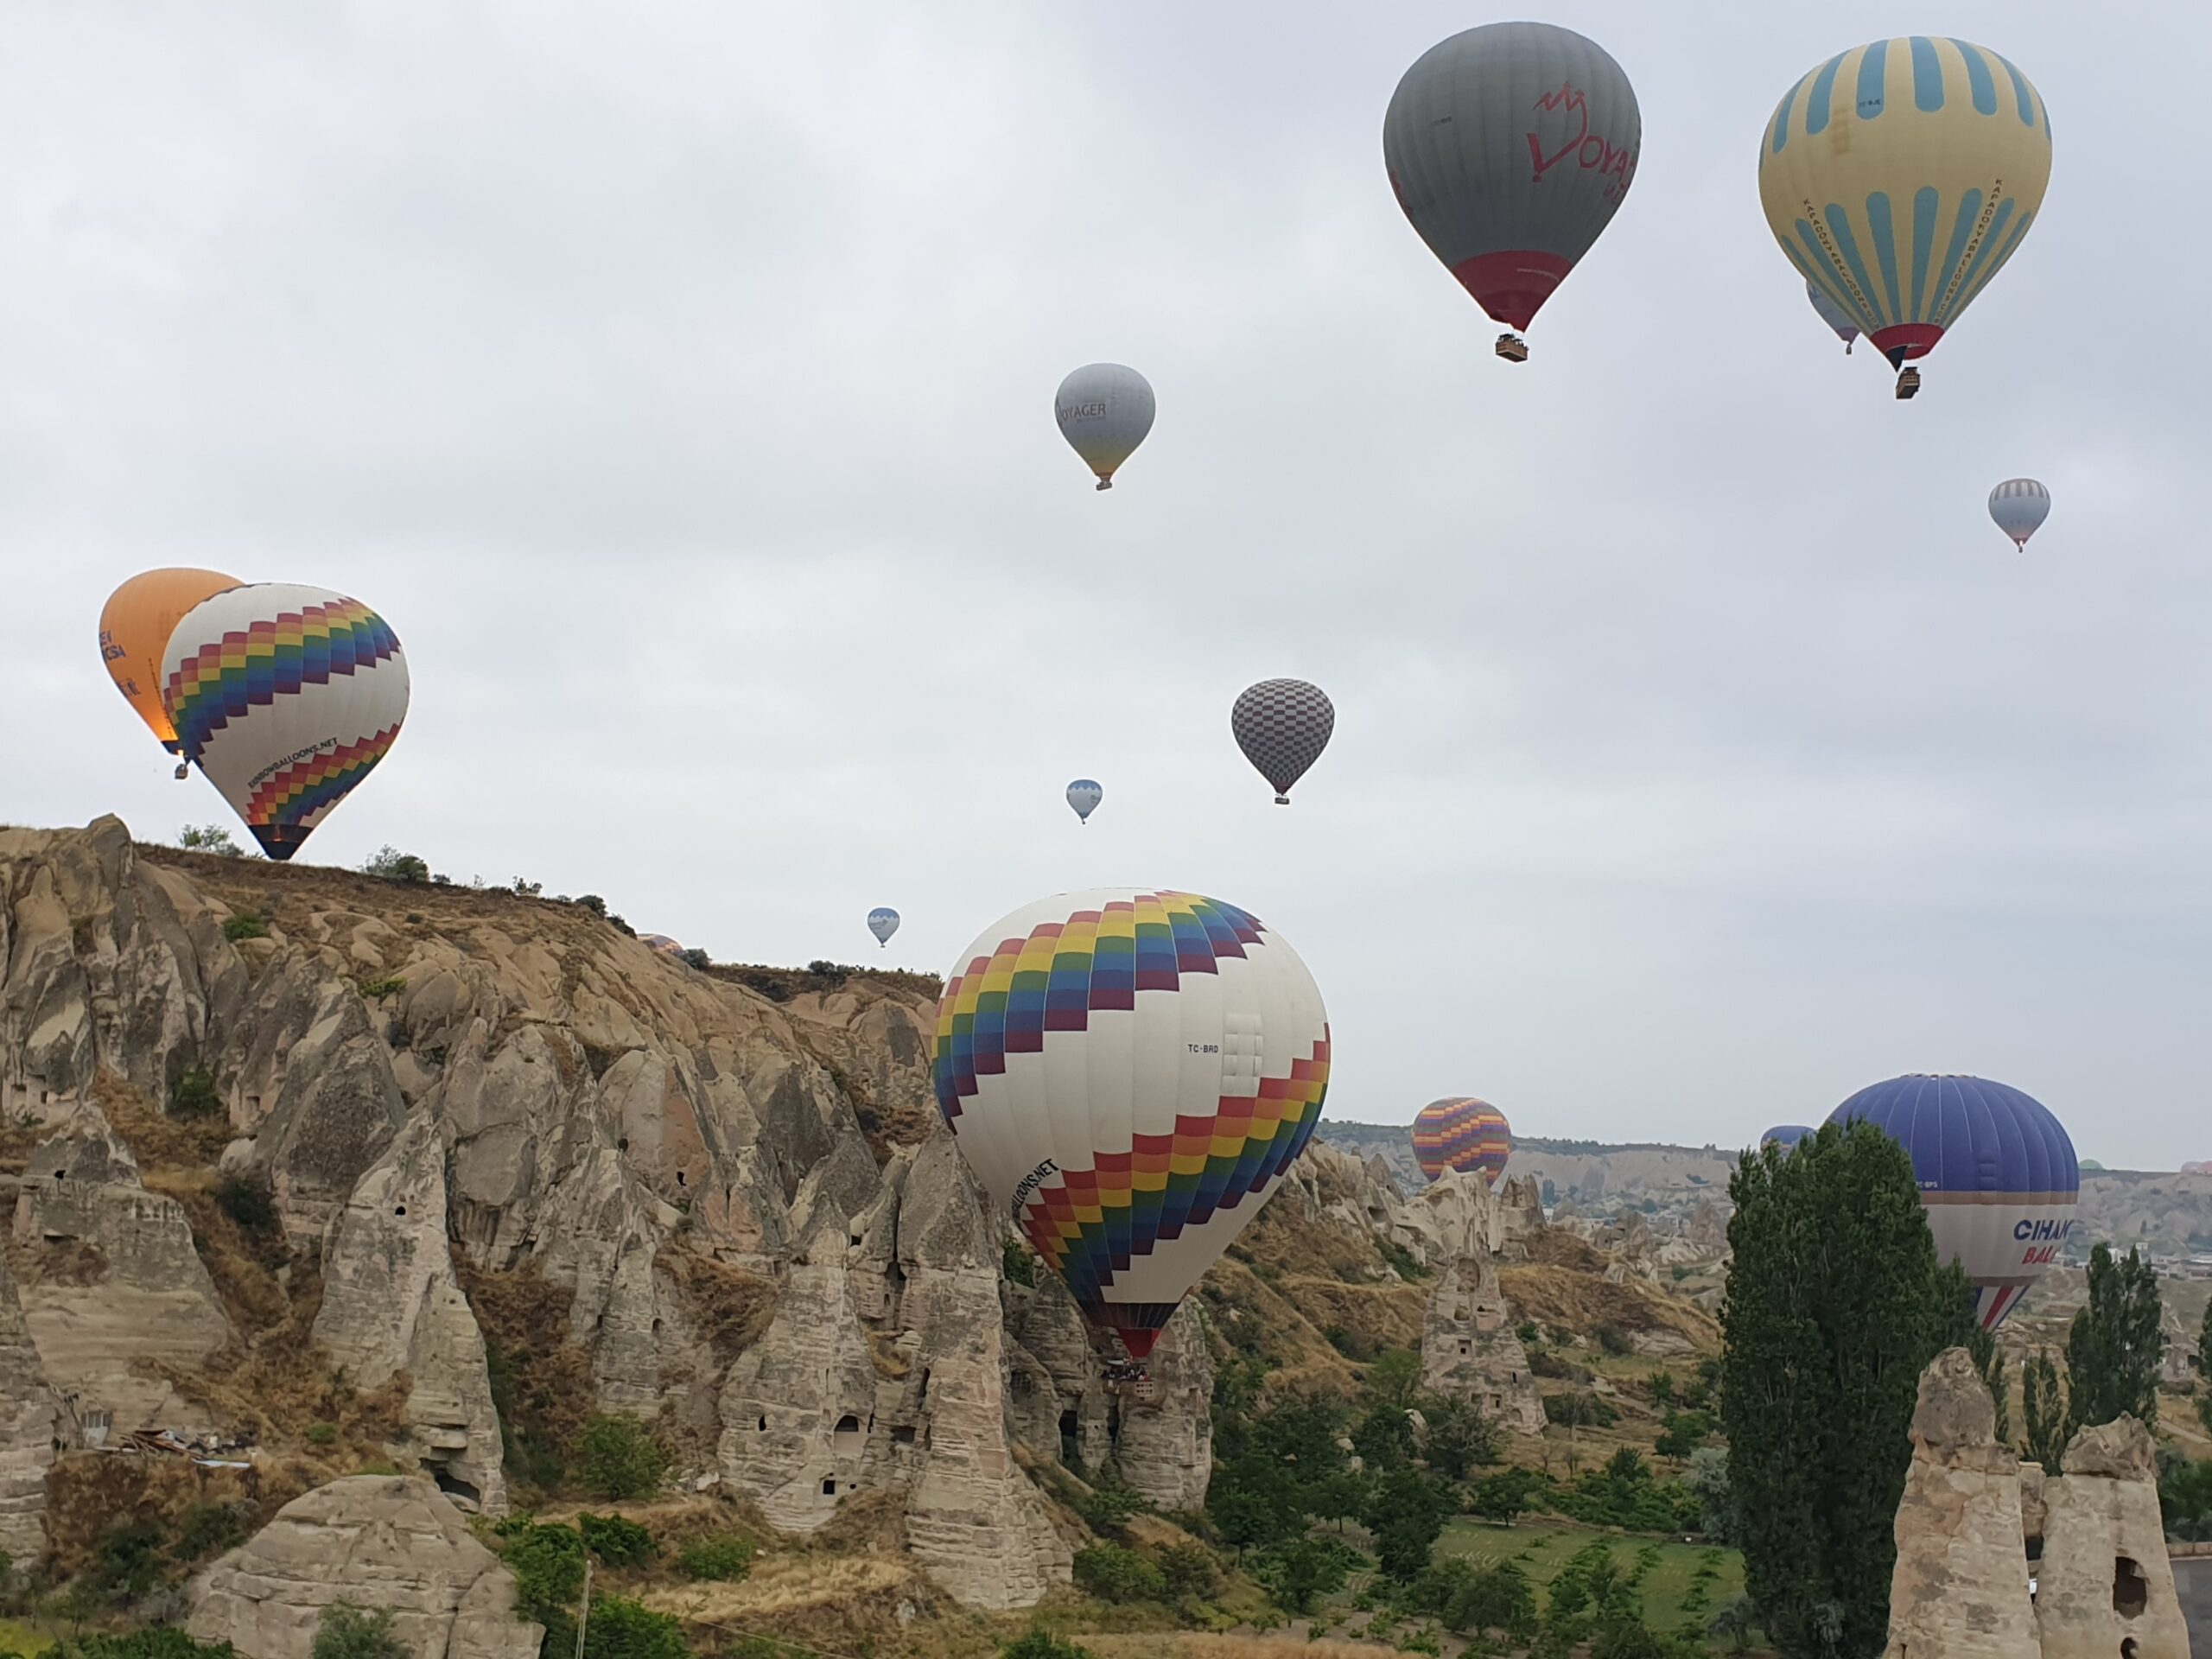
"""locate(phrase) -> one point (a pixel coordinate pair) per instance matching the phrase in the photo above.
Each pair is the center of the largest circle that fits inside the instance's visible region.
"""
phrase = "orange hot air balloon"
(135, 628)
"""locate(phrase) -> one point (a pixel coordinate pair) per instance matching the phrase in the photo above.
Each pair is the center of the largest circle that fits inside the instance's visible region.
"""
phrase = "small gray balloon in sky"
(883, 922)
(1832, 314)
(2019, 506)
(1104, 410)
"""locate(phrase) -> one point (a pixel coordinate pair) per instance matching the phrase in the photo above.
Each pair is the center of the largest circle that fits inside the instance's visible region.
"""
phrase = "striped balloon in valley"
(1129, 1072)
(286, 697)
(1464, 1133)
(1997, 1173)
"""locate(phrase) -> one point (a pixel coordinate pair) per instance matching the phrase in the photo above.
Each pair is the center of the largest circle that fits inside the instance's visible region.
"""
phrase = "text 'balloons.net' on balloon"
(1834, 315)
(1785, 1135)
(883, 922)
(1900, 176)
(286, 697)
(1509, 148)
(1129, 1072)
(1104, 410)
(1464, 1133)
(2019, 506)
(1283, 726)
(1997, 1173)
(136, 624)
(1084, 795)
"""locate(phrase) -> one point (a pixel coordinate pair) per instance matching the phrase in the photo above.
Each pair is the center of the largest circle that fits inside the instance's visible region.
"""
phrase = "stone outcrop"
(1520, 1214)
(1708, 1228)
(31, 1423)
(1162, 1434)
(1960, 1588)
(107, 1277)
(1469, 1350)
(390, 1303)
(2106, 1586)
(384, 1542)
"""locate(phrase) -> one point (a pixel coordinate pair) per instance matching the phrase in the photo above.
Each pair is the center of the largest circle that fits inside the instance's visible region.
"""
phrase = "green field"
(1541, 1550)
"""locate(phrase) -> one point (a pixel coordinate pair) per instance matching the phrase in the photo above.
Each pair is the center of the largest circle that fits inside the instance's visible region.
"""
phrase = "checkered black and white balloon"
(1283, 726)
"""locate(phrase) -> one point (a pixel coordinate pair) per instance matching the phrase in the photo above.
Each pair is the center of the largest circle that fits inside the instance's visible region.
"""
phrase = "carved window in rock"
(2131, 1589)
(902, 1434)
(829, 1485)
(1461, 1312)
(1071, 1443)
(845, 1439)
(1466, 1348)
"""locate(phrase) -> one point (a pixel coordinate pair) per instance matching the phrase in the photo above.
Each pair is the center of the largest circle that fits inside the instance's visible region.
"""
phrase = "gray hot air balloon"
(1834, 315)
(1104, 410)
(2019, 506)
(1283, 726)
(1084, 795)
(1510, 147)
(883, 922)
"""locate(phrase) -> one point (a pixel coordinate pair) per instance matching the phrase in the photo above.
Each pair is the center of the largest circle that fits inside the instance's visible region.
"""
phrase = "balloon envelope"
(286, 697)
(883, 922)
(1900, 176)
(1104, 410)
(1464, 1133)
(1785, 1135)
(2019, 506)
(1509, 148)
(135, 627)
(1997, 1174)
(1283, 726)
(1832, 314)
(661, 943)
(1084, 795)
(1128, 1072)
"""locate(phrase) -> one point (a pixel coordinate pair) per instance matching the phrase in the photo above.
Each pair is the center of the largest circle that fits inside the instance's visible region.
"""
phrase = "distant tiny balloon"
(2019, 506)
(883, 922)
(1283, 726)
(1084, 795)
(1832, 314)
(1104, 410)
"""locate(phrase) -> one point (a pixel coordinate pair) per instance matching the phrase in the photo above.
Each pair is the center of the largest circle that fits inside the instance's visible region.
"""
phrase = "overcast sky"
(677, 381)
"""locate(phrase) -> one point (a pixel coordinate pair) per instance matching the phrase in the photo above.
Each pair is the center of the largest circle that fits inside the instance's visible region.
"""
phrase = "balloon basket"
(1513, 348)
(1105, 483)
(183, 770)
(1908, 383)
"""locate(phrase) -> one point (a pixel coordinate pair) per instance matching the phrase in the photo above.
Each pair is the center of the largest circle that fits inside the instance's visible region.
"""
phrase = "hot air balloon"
(1899, 177)
(286, 697)
(883, 922)
(2019, 506)
(1464, 1133)
(1832, 314)
(661, 943)
(136, 624)
(1084, 795)
(1283, 726)
(1997, 1176)
(1129, 1072)
(1510, 147)
(1104, 410)
(1785, 1135)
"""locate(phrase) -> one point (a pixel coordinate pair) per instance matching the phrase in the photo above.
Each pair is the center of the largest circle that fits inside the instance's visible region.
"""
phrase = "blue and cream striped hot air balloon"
(1084, 795)
(1785, 1135)
(1900, 176)
(1997, 1174)
(883, 922)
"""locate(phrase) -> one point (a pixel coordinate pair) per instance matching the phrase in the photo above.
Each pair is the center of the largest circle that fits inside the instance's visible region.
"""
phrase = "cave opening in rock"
(453, 1486)
(902, 1434)
(2131, 1590)
(398, 1209)
(829, 1486)
(2128, 1648)
(763, 1425)
(2035, 1547)
(845, 1439)
(623, 1144)
(679, 1178)
(1071, 1450)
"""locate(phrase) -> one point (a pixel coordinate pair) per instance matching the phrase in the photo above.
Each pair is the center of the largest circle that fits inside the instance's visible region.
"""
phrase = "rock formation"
(30, 1419)
(1521, 1214)
(1960, 1588)
(1162, 1434)
(2106, 1586)
(383, 1542)
(1469, 1350)
(1708, 1228)
(107, 1277)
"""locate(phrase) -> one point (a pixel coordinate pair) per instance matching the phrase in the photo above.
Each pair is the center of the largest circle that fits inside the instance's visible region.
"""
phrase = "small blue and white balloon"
(883, 922)
(1084, 795)
(2019, 506)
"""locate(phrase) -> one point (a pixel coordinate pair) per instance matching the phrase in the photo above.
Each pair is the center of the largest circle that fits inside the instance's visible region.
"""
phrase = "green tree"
(2113, 1345)
(548, 1563)
(2043, 1408)
(721, 1556)
(617, 1541)
(345, 1631)
(209, 838)
(1112, 1573)
(1406, 1514)
(1458, 1437)
(1395, 1377)
(1253, 1503)
(618, 1628)
(2204, 1371)
(1707, 1478)
(1384, 1438)
(1834, 1307)
(619, 1458)
(1038, 1643)
(390, 864)
(154, 1642)
(1301, 1570)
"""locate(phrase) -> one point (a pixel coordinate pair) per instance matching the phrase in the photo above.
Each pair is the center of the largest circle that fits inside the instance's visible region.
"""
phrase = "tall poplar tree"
(1835, 1306)
(2204, 1371)
(2113, 1345)
(2045, 1408)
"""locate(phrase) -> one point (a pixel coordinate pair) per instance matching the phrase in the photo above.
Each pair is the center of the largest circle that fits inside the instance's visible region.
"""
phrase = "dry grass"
(1569, 1299)
(541, 1381)
(88, 1494)
(1196, 1644)
(241, 1265)
(155, 1139)
(847, 1604)
(731, 1306)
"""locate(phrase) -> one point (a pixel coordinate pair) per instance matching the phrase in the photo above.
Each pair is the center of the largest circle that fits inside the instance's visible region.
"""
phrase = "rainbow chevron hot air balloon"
(1900, 176)
(1130, 1073)
(1464, 1133)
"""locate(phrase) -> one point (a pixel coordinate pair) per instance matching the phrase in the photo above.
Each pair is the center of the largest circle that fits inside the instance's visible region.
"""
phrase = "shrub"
(192, 1095)
(548, 1563)
(322, 1433)
(345, 1631)
(615, 1541)
(1578, 1411)
(618, 1457)
(721, 1556)
(1038, 1643)
(621, 1629)
(156, 1642)
(1613, 1340)
(1663, 1388)
(1114, 1573)
(245, 925)
(126, 1562)
(1403, 1262)
(1395, 1377)
(528, 889)
(1188, 1570)
(1017, 1263)
(1507, 1493)
(376, 990)
(1528, 1330)
(1684, 1430)
(246, 1202)
(1469, 1596)
(696, 957)
(592, 902)
(1458, 1437)
(1299, 1572)
(390, 864)
(209, 838)
(210, 1529)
